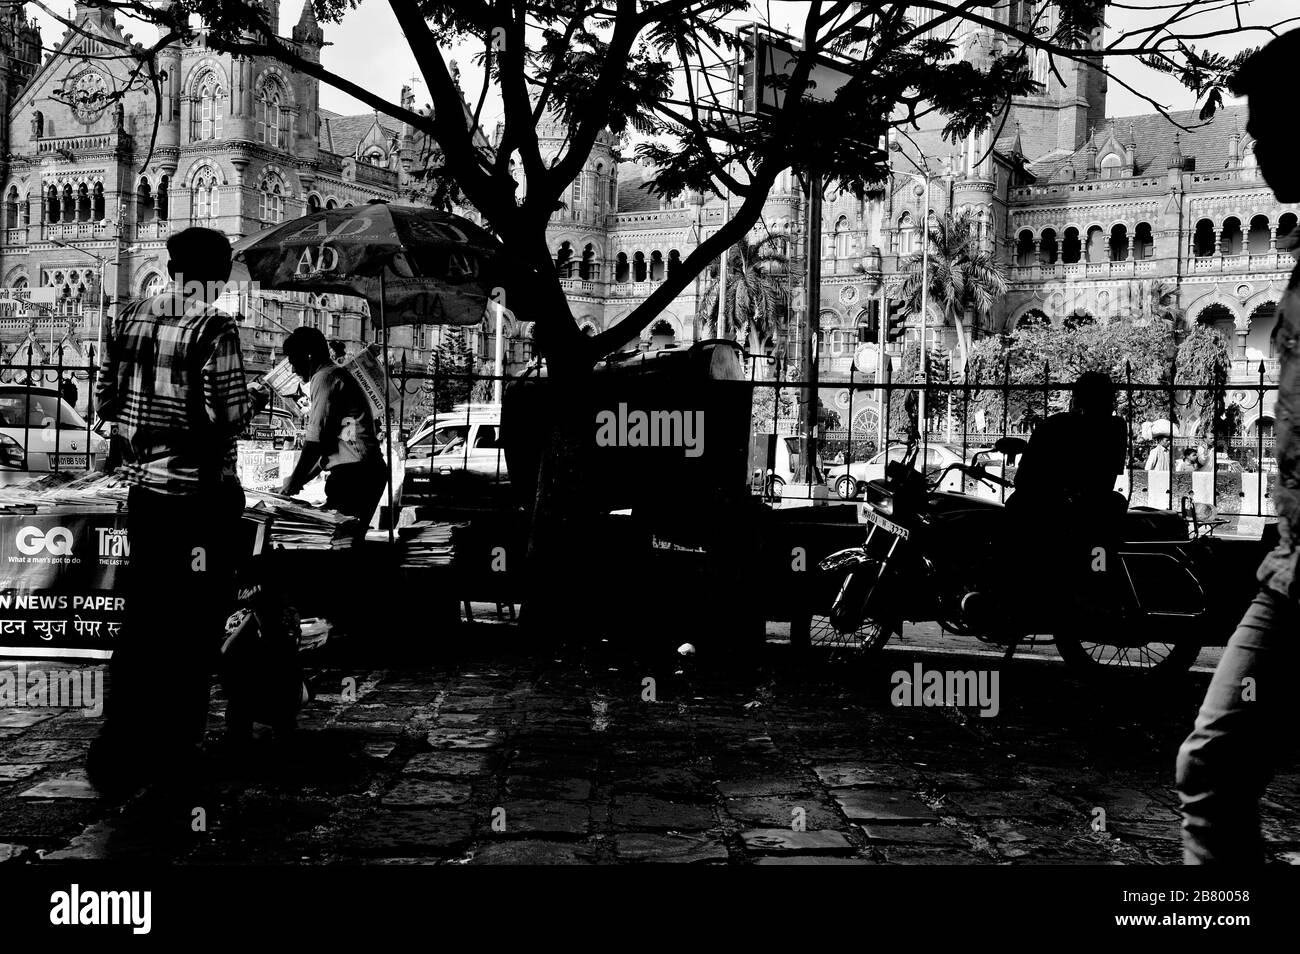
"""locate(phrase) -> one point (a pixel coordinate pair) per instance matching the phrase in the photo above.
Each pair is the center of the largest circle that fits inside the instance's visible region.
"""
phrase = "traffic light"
(869, 324)
(897, 326)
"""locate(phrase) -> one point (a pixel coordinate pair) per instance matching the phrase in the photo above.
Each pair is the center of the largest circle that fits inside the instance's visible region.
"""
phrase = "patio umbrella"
(414, 265)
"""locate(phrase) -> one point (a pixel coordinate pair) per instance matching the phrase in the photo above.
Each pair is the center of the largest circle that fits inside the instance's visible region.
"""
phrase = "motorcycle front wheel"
(846, 627)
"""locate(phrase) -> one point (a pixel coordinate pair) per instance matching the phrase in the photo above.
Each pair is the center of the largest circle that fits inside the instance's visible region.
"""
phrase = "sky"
(354, 46)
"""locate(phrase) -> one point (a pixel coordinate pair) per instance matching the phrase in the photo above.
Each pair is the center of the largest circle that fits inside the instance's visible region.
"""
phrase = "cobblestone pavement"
(502, 756)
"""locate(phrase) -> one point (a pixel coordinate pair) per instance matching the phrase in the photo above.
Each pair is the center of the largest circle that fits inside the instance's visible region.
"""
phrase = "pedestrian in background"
(1158, 459)
(1246, 719)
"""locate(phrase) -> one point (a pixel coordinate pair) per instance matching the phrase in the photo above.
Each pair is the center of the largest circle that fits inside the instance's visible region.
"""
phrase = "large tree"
(660, 70)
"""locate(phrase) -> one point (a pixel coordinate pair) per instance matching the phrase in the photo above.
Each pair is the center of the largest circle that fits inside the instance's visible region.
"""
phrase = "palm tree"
(754, 309)
(964, 276)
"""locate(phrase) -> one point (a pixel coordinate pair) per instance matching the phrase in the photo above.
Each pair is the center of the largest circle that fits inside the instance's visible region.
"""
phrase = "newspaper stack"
(64, 492)
(426, 544)
(298, 526)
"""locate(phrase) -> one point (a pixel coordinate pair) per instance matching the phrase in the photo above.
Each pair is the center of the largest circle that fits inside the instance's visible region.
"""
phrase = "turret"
(309, 38)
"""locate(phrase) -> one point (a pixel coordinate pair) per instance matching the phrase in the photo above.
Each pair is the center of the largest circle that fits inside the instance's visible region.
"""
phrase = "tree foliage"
(661, 70)
(755, 308)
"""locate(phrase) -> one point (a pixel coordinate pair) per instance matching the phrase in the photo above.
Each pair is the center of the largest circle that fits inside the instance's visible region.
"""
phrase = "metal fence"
(1237, 475)
(40, 432)
(1238, 478)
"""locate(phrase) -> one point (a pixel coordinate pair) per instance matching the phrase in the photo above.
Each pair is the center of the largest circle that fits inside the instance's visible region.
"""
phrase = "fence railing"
(1237, 474)
(44, 426)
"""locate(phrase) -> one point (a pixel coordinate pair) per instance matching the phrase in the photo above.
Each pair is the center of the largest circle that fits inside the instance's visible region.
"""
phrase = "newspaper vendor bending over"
(340, 436)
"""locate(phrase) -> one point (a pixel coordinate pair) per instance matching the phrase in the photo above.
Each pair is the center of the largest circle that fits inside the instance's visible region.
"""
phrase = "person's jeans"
(1228, 760)
(179, 591)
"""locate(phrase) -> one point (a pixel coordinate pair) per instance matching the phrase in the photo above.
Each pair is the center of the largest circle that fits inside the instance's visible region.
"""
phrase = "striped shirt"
(173, 373)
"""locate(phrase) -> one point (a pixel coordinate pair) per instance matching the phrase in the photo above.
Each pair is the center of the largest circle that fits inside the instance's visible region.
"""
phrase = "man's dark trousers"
(180, 589)
(356, 489)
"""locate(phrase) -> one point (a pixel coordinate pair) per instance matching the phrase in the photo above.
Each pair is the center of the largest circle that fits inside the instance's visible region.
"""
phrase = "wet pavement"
(581, 756)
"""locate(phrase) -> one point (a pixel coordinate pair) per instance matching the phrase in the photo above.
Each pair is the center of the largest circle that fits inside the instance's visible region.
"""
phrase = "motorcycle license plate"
(872, 517)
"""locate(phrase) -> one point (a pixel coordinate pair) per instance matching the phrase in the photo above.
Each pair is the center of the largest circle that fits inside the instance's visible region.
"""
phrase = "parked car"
(458, 450)
(848, 480)
(41, 433)
(786, 466)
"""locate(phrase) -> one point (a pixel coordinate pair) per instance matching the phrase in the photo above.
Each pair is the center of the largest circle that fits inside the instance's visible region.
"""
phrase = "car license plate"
(872, 517)
(69, 462)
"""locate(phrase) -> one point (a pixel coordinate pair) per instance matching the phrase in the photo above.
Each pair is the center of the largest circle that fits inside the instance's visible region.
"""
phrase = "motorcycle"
(934, 556)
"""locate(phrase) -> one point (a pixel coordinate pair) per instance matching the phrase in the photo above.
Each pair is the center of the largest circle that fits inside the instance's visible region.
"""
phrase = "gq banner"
(60, 584)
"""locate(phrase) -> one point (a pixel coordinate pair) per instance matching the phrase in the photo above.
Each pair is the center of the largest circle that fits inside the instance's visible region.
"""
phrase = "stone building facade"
(1095, 218)
(90, 187)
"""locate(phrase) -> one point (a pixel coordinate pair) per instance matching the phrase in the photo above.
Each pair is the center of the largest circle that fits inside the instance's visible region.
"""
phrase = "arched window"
(97, 202)
(144, 202)
(656, 266)
(331, 204)
(1287, 223)
(674, 260)
(622, 270)
(271, 200)
(207, 109)
(83, 203)
(69, 205)
(1110, 166)
(1233, 239)
(843, 238)
(1144, 243)
(270, 115)
(1097, 250)
(1119, 244)
(1071, 247)
(205, 200)
(375, 156)
(1048, 251)
(161, 204)
(1248, 159)
(52, 204)
(313, 204)
(638, 267)
(906, 234)
(11, 208)
(152, 285)
(1261, 235)
(1025, 248)
(1203, 240)
(564, 261)
(588, 267)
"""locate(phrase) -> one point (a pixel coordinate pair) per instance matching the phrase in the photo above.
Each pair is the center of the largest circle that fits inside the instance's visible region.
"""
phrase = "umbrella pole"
(388, 410)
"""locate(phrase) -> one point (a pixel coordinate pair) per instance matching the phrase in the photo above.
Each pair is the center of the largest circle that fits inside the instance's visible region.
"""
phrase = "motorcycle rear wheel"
(869, 637)
(1153, 660)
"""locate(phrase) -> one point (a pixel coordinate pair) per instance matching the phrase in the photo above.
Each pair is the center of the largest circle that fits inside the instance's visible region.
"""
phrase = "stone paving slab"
(533, 852)
(543, 817)
(768, 840)
(674, 848)
(423, 793)
(883, 806)
(73, 785)
(23, 718)
(633, 812)
(428, 831)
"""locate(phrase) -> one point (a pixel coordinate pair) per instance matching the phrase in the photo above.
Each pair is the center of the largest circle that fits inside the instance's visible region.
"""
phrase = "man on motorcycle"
(1065, 505)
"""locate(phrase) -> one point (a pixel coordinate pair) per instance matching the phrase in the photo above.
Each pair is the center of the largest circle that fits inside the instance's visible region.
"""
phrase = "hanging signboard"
(18, 302)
